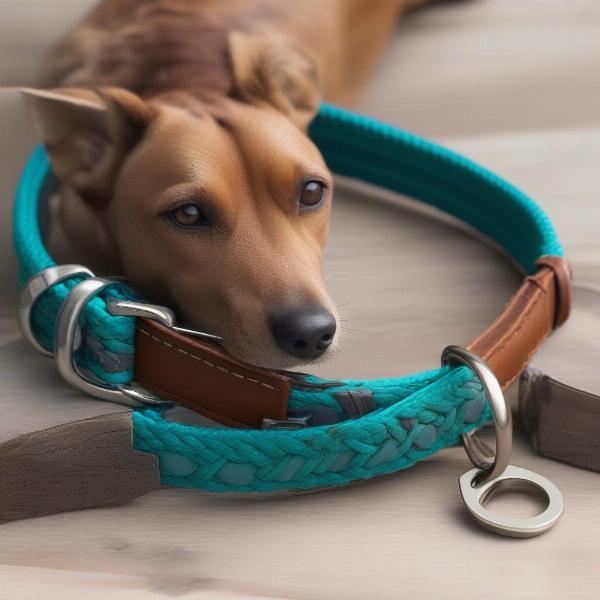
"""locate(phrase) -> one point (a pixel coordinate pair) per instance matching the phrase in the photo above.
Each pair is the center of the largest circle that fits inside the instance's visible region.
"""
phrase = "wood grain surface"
(514, 84)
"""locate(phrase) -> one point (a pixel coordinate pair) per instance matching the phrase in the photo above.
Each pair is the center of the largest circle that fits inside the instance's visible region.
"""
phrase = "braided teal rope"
(114, 333)
(415, 416)
(393, 438)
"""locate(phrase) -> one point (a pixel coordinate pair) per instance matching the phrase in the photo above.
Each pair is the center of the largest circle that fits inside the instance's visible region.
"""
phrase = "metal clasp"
(493, 473)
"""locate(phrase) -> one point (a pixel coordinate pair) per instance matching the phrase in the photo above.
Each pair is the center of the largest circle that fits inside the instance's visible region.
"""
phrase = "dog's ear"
(270, 69)
(87, 134)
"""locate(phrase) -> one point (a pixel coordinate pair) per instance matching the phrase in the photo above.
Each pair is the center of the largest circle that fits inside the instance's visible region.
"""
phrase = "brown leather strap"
(542, 303)
(204, 378)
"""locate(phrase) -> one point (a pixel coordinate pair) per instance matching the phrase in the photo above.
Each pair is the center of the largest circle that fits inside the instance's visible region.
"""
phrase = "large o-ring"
(478, 452)
(516, 479)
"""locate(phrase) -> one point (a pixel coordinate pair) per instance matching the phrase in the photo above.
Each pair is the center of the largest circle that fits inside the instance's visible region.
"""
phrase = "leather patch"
(205, 379)
(355, 402)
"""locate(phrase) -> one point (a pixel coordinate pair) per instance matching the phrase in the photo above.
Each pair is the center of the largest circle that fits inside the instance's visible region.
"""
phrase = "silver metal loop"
(64, 344)
(516, 479)
(489, 466)
(34, 287)
(494, 474)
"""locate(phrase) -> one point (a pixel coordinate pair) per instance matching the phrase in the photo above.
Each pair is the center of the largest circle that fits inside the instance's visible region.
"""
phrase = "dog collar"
(318, 432)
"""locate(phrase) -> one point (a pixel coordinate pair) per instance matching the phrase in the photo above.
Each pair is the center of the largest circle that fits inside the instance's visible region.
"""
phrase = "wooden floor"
(514, 84)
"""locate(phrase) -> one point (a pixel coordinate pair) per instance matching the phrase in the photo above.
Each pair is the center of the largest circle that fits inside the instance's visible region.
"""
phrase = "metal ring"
(493, 474)
(34, 287)
(490, 466)
(64, 343)
(513, 478)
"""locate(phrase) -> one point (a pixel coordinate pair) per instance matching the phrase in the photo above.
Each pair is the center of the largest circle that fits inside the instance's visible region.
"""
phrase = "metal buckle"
(34, 287)
(67, 329)
(131, 394)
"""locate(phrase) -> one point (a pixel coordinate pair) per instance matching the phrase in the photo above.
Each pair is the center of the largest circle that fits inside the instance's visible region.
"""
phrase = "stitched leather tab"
(563, 275)
(202, 377)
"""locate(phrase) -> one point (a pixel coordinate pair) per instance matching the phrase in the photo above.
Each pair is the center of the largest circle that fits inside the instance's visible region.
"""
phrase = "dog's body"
(155, 46)
(180, 138)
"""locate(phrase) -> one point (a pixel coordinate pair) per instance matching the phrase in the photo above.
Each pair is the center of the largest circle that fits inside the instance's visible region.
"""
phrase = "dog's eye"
(189, 215)
(312, 193)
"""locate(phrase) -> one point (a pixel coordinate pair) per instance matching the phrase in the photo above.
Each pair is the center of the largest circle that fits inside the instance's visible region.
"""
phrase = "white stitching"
(267, 385)
(202, 360)
(209, 364)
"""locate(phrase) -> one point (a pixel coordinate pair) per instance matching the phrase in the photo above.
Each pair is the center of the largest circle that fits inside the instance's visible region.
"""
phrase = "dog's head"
(217, 209)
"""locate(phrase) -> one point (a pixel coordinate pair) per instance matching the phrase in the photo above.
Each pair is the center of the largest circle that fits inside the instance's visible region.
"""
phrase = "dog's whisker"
(334, 277)
(341, 354)
(345, 321)
(354, 331)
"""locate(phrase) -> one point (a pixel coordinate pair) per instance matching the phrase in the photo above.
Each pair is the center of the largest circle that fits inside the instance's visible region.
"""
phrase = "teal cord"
(414, 416)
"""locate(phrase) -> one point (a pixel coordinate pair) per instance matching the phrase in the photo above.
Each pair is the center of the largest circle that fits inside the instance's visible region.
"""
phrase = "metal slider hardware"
(67, 324)
(291, 423)
(34, 287)
(67, 336)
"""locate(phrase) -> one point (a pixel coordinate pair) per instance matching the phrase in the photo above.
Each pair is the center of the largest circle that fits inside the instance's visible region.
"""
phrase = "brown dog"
(180, 139)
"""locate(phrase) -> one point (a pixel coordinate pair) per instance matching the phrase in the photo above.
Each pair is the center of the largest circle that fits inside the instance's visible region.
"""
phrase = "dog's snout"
(305, 331)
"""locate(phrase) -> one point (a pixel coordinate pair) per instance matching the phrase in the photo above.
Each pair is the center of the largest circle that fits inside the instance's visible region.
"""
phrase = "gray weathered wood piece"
(60, 450)
(79, 464)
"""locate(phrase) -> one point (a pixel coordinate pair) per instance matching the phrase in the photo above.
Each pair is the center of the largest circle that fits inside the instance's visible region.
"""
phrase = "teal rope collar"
(412, 417)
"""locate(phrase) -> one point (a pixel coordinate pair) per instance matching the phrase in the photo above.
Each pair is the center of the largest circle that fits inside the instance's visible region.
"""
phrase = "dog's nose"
(304, 331)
